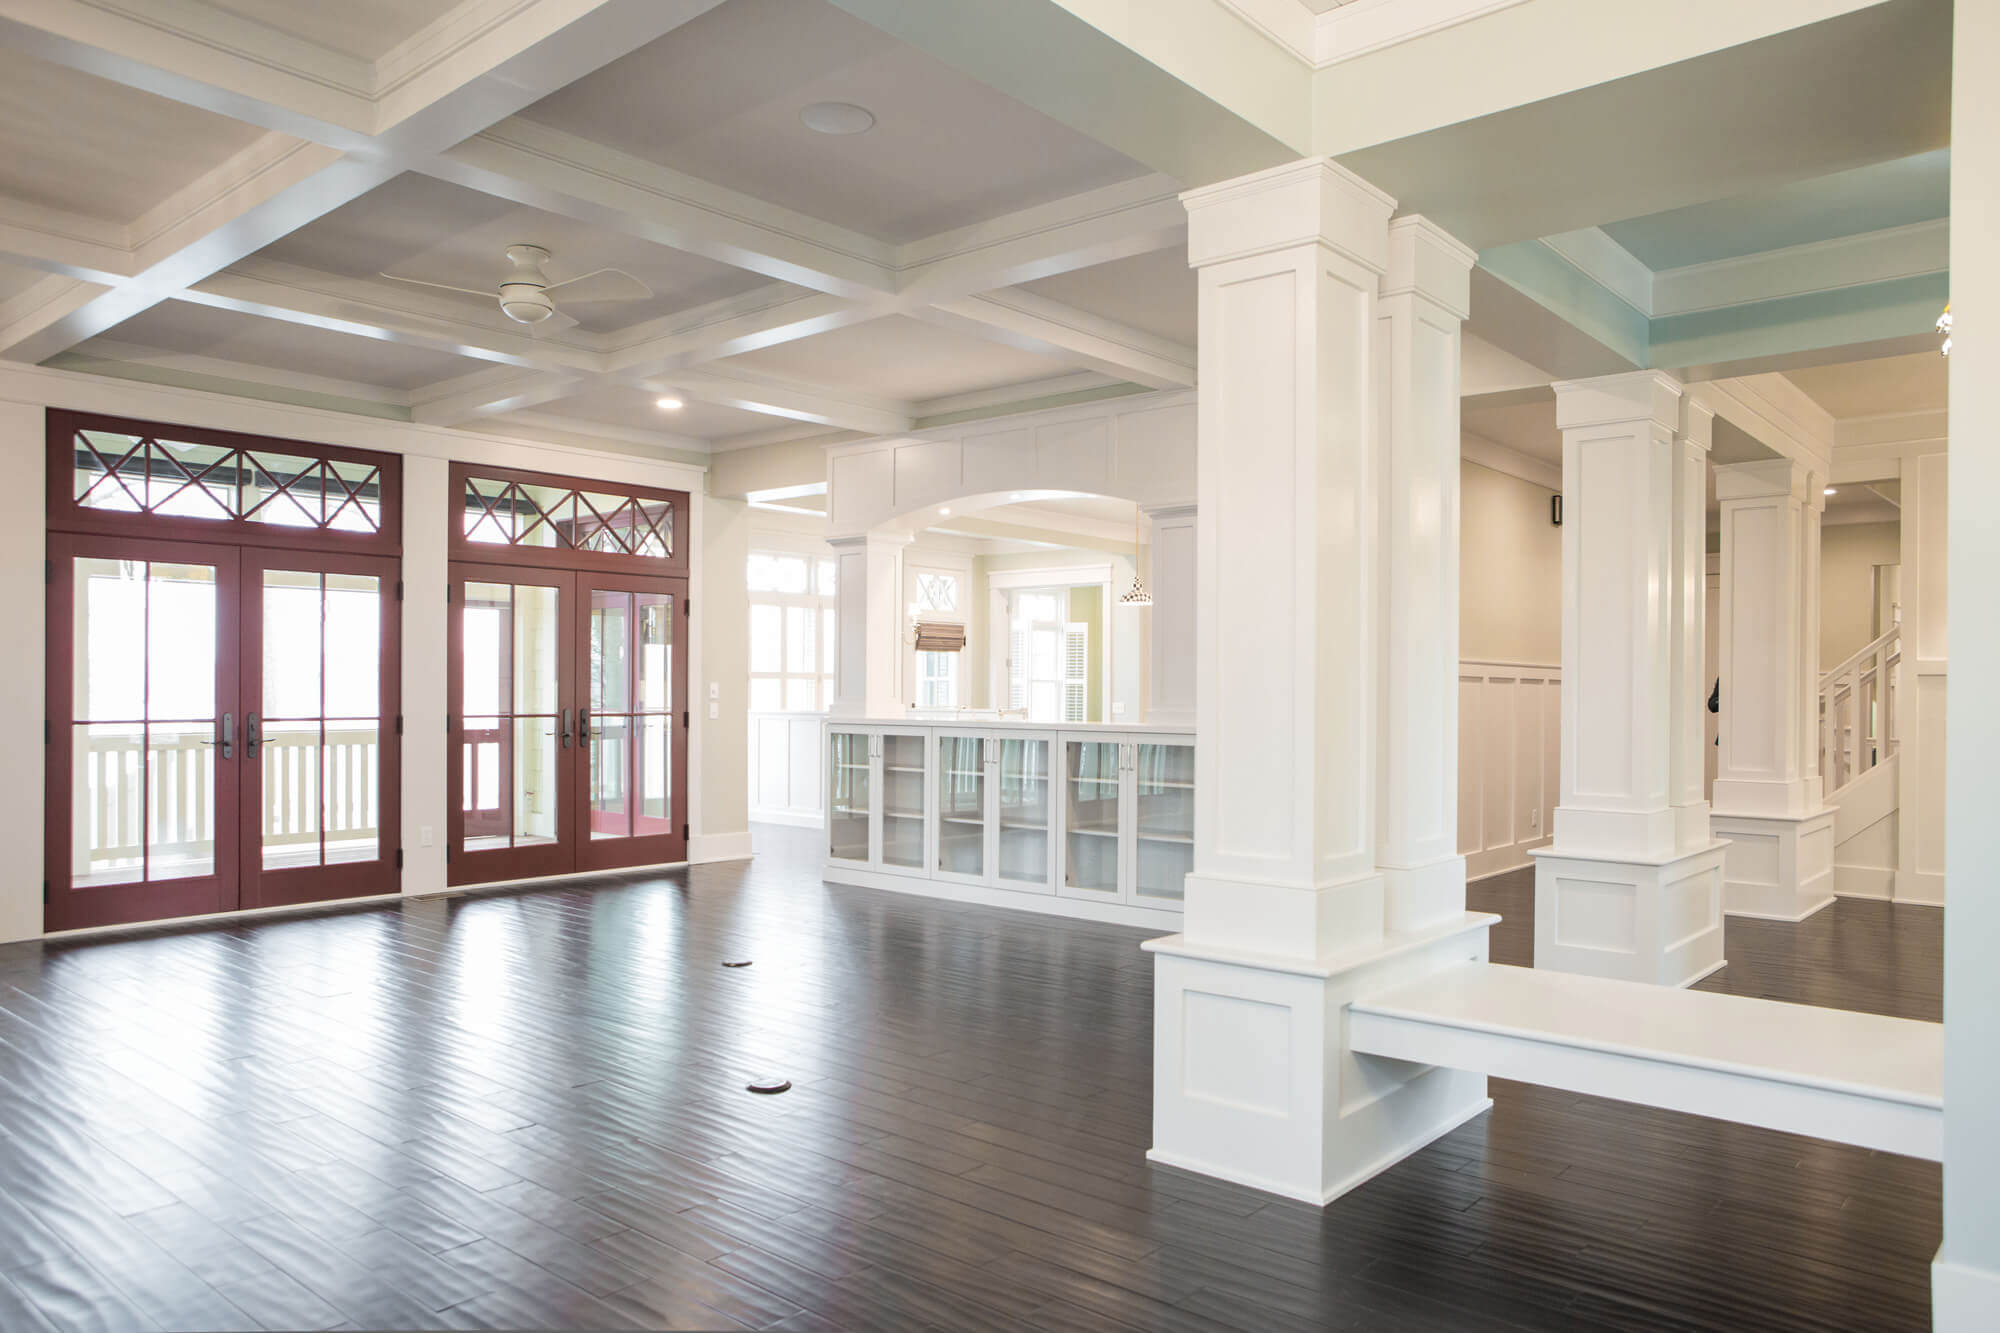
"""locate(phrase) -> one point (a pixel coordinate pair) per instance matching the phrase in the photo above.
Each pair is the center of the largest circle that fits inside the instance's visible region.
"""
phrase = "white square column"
(1767, 783)
(1425, 297)
(1631, 885)
(1286, 912)
(868, 614)
(1171, 650)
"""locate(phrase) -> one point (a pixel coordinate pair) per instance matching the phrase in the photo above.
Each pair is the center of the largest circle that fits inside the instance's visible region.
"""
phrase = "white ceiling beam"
(46, 302)
(487, 393)
(1132, 217)
(1049, 328)
(588, 182)
(779, 313)
(797, 401)
(483, 94)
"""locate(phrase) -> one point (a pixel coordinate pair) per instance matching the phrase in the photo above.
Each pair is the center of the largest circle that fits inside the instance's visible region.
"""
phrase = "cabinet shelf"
(900, 768)
(1096, 832)
(1181, 838)
(1170, 786)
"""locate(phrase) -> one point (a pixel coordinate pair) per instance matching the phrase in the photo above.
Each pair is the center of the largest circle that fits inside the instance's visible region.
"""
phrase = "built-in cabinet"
(1066, 814)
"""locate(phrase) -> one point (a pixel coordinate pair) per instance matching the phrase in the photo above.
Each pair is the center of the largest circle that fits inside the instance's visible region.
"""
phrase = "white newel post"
(1286, 909)
(1170, 689)
(869, 624)
(1767, 784)
(1631, 885)
(1425, 296)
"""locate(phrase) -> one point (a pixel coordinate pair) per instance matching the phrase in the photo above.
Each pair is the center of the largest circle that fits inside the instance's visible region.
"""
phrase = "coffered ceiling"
(273, 197)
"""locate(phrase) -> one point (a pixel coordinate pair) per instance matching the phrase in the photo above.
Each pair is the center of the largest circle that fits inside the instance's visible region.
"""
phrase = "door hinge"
(684, 718)
(399, 726)
(687, 606)
(49, 572)
(399, 590)
(399, 858)
(48, 732)
(684, 833)
(45, 893)
(447, 594)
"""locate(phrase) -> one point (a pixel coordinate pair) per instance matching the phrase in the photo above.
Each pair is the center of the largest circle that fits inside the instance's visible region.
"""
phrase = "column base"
(1778, 867)
(1252, 1078)
(1658, 921)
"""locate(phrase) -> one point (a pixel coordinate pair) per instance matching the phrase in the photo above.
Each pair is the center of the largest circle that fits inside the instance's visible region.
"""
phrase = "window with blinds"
(1048, 658)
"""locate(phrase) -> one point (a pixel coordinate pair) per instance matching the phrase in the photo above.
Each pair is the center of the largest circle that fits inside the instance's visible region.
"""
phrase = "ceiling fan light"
(525, 303)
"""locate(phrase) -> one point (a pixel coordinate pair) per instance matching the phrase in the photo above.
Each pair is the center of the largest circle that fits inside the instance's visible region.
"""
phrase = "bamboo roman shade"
(939, 636)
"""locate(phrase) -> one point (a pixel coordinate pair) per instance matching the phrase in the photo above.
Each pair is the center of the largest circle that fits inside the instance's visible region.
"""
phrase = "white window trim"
(813, 552)
(930, 561)
(1003, 581)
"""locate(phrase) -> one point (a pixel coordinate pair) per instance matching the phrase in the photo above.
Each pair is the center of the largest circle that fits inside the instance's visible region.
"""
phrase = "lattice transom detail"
(505, 513)
(138, 474)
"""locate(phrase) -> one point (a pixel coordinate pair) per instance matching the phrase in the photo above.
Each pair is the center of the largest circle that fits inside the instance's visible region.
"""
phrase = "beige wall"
(725, 659)
(1510, 570)
(1086, 608)
(1848, 554)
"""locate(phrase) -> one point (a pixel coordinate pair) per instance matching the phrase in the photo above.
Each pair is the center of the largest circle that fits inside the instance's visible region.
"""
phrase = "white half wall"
(1509, 743)
(787, 780)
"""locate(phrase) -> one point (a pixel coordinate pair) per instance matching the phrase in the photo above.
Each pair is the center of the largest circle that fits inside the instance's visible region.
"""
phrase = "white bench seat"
(1853, 1078)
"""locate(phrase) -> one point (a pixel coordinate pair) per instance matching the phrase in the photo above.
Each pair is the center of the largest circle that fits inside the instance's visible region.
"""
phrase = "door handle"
(582, 726)
(225, 734)
(565, 728)
(250, 737)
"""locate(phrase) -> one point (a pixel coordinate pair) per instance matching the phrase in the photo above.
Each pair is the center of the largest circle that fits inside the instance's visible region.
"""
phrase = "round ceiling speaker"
(837, 118)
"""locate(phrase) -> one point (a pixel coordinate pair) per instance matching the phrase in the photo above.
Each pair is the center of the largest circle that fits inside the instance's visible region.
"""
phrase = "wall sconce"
(1556, 510)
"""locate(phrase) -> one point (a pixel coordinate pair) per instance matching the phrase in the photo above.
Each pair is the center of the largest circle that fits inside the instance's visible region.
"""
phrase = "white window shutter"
(1076, 677)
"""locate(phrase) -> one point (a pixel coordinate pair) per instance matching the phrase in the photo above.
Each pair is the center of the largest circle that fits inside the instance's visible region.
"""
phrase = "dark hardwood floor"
(527, 1110)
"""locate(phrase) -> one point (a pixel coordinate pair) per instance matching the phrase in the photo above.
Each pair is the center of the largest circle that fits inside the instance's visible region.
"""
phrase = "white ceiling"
(1914, 383)
(720, 99)
(633, 410)
(1526, 428)
(904, 358)
(365, 29)
(88, 146)
(1154, 293)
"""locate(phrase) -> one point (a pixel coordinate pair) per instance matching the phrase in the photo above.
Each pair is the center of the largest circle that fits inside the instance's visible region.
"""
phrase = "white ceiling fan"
(527, 296)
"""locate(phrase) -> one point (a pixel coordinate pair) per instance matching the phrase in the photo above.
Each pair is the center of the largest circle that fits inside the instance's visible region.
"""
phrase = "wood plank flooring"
(526, 1110)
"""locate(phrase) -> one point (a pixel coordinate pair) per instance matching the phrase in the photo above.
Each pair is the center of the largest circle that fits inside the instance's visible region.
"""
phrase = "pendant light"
(1137, 594)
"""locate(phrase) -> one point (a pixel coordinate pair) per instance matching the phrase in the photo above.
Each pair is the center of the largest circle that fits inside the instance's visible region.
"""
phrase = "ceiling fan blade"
(445, 286)
(604, 284)
(555, 323)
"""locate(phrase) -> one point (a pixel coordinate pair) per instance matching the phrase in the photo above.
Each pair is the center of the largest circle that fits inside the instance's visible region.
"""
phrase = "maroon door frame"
(513, 862)
(234, 545)
(347, 879)
(68, 905)
(576, 573)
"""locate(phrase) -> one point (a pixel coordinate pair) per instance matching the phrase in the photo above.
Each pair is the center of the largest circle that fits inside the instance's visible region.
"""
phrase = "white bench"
(1853, 1078)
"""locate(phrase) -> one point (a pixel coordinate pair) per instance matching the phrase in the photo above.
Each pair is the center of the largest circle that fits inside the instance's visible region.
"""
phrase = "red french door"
(568, 704)
(223, 726)
(633, 723)
(222, 672)
(145, 743)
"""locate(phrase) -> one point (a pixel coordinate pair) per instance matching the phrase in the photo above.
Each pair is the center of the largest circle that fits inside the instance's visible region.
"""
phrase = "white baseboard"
(1963, 1298)
(1500, 860)
(789, 818)
(1019, 900)
(706, 847)
(1864, 882)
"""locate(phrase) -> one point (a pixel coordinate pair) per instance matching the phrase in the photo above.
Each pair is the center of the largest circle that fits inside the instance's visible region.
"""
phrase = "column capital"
(1638, 395)
(1697, 424)
(1178, 509)
(1764, 479)
(1426, 260)
(1312, 201)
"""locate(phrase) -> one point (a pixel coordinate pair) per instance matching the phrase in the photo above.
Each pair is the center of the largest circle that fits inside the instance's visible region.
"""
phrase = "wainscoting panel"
(1509, 732)
(785, 773)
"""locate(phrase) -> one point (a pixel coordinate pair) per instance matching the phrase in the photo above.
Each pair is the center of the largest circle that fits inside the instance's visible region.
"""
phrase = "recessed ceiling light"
(669, 403)
(838, 118)
(1829, 490)
(946, 511)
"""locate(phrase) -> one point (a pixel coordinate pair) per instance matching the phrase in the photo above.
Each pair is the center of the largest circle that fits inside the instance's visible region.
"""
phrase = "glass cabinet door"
(848, 795)
(961, 791)
(1024, 811)
(1163, 780)
(1090, 816)
(903, 801)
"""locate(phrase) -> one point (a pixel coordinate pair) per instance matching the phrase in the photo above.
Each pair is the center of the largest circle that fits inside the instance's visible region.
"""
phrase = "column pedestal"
(1780, 867)
(1633, 920)
(1252, 1078)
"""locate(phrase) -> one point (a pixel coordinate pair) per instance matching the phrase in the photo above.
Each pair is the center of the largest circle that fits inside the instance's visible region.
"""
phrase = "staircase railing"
(1859, 722)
